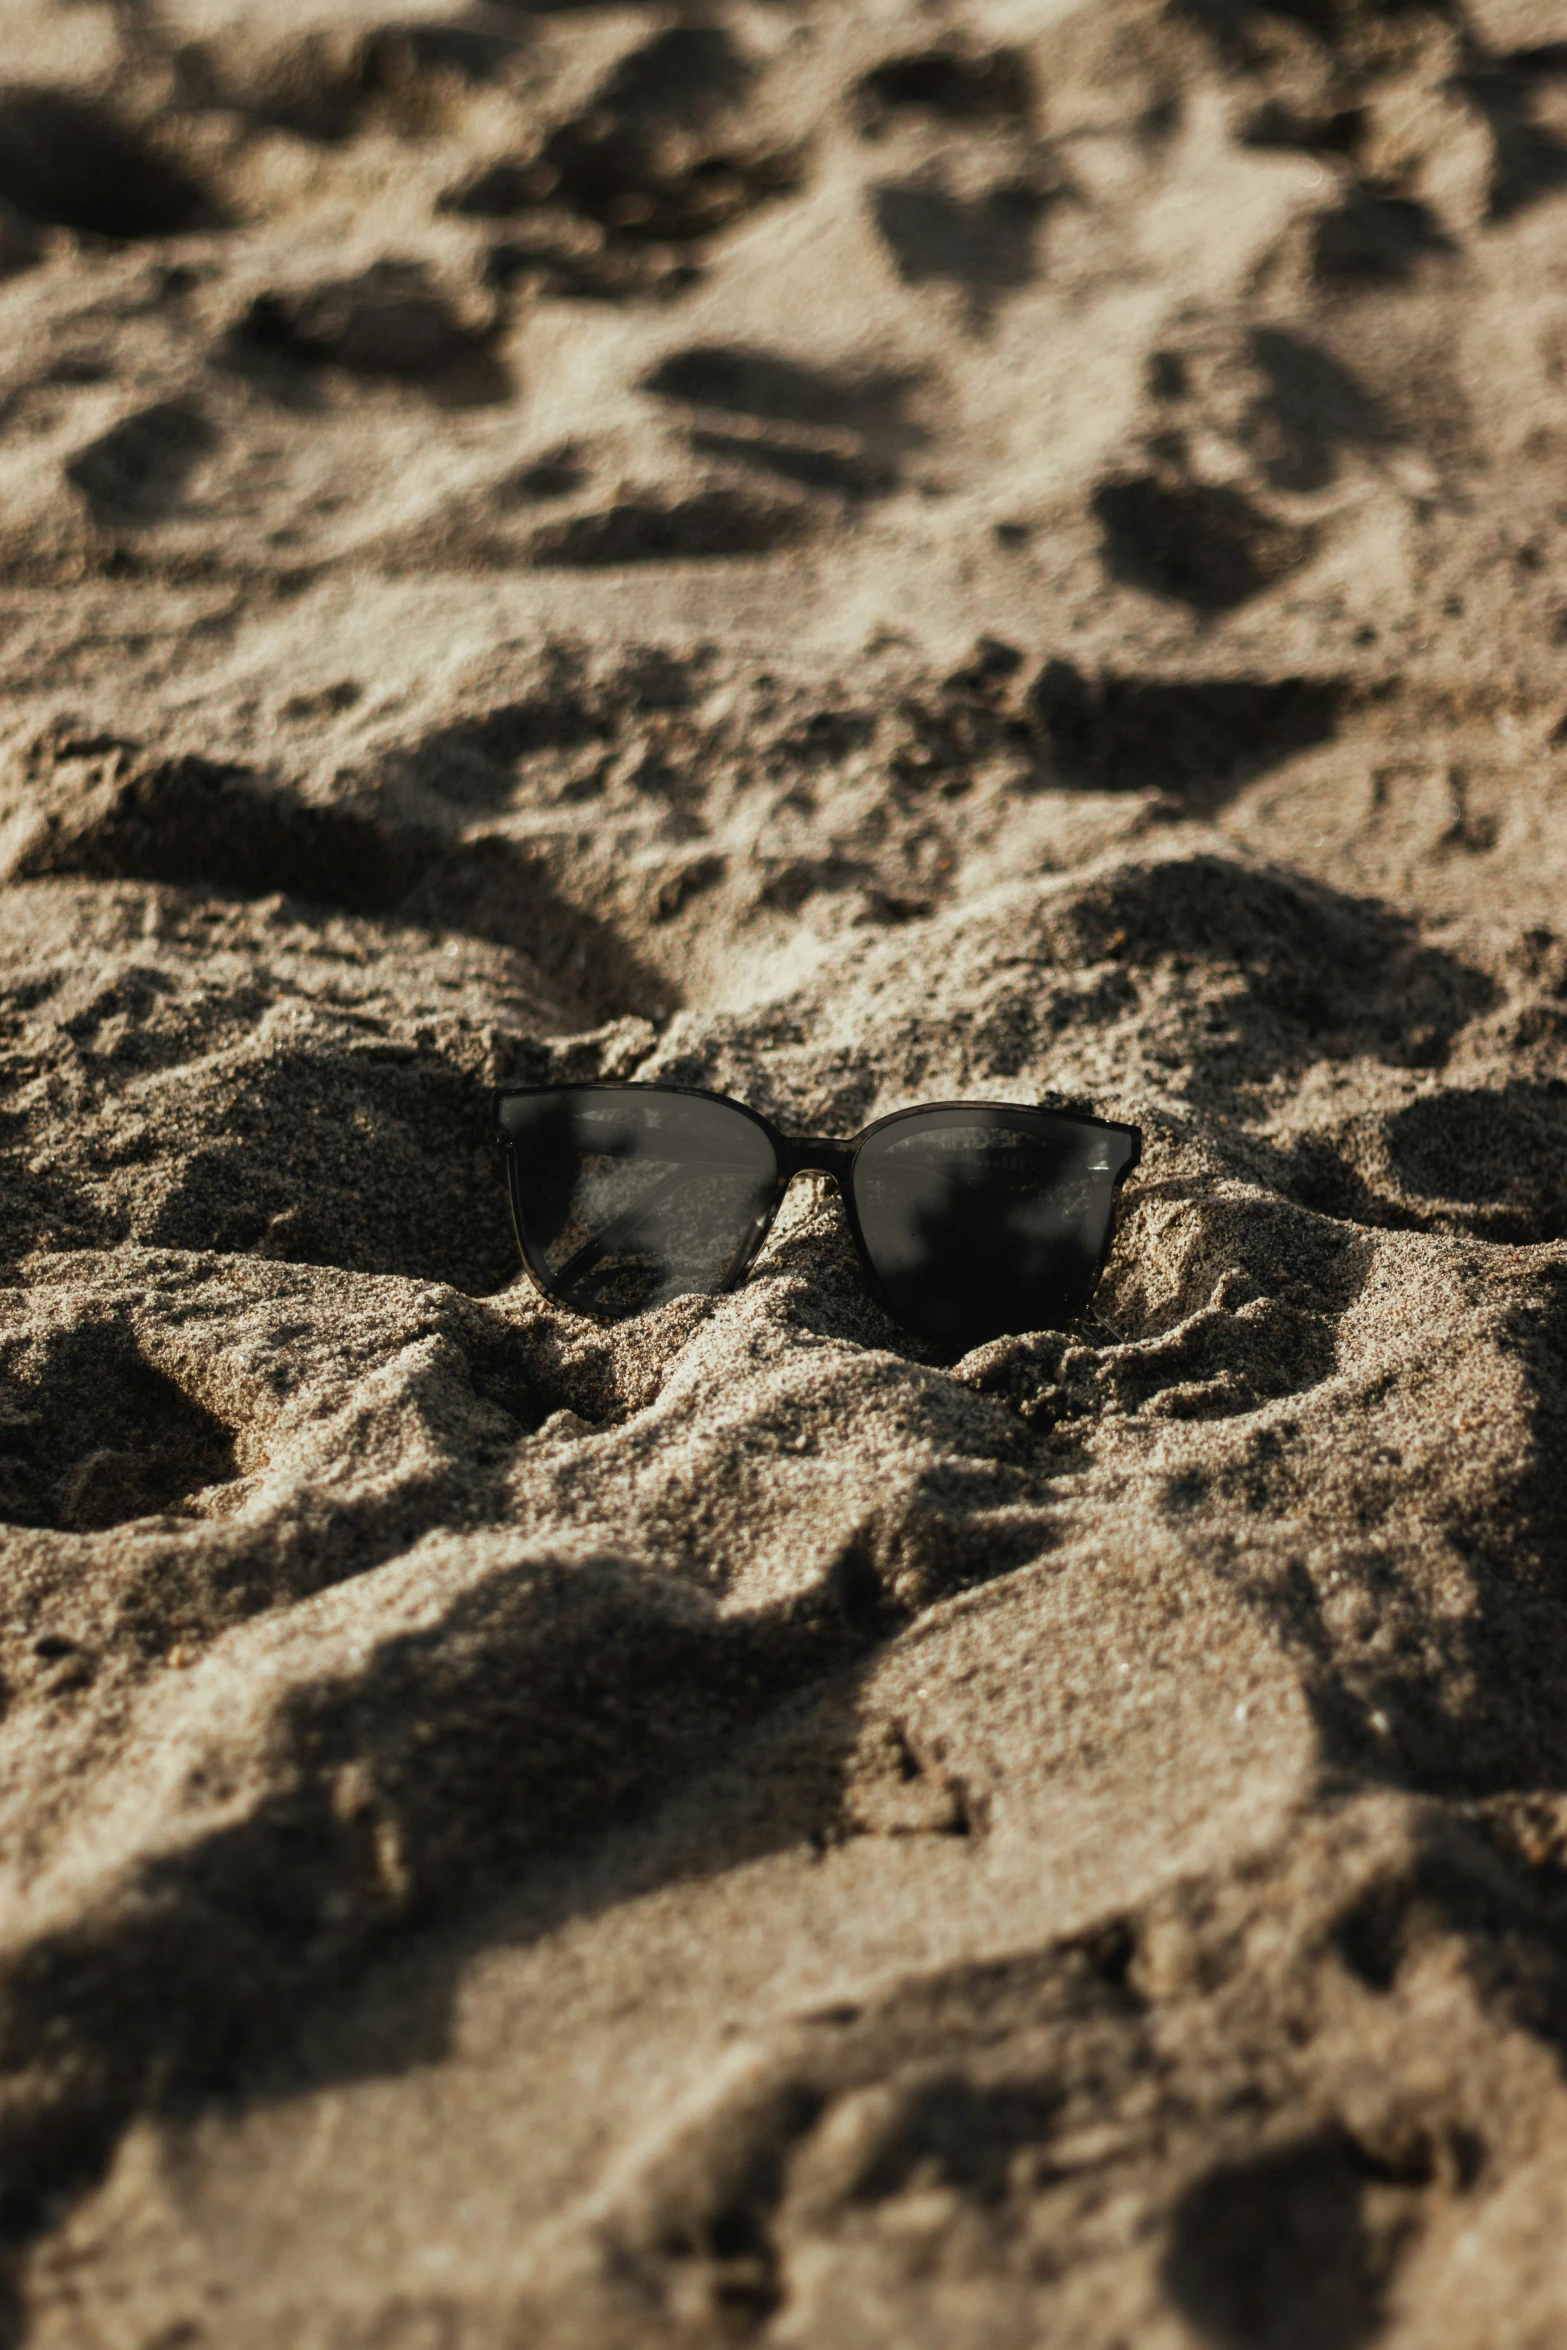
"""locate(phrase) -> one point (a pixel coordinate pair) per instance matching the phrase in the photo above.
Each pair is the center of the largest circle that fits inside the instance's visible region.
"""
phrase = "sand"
(850, 554)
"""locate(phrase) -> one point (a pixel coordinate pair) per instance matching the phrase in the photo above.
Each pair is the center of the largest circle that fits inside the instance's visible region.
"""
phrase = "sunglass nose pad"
(815, 1154)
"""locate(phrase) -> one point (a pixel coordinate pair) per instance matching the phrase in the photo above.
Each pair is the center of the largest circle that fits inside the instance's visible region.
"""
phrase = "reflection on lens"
(982, 1221)
(627, 1197)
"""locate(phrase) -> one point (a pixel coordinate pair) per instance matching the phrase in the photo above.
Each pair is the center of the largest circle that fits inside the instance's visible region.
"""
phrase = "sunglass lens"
(628, 1197)
(981, 1221)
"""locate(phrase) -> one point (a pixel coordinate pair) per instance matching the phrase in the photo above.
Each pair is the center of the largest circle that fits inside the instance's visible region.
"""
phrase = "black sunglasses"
(971, 1218)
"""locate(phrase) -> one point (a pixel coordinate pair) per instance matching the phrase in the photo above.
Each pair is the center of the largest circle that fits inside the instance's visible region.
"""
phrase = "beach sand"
(850, 554)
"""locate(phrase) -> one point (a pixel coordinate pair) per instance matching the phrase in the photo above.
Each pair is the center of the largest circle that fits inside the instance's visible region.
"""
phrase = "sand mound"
(849, 556)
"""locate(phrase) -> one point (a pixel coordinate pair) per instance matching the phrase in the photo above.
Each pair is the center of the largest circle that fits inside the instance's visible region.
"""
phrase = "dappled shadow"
(392, 323)
(1197, 543)
(41, 1204)
(74, 164)
(955, 82)
(93, 1435)
(659, 157)
(844, 473)
(1495, 1884)
(1203, 737)
(1275, 2252)
(343, 1151)
(138, 470)
(1322, 975)
(115, 812)
(837, 432)
(983, 244)
(1531, 158)
(1486, 1160)
(744, 380)
(472, 762)
(120, 813)
(1497, 1154)
(493, 888)
(711, 526)
(1313, 407)
(1372, 239)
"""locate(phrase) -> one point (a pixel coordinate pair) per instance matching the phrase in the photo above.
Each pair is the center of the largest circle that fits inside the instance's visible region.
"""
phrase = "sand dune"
(850, 555)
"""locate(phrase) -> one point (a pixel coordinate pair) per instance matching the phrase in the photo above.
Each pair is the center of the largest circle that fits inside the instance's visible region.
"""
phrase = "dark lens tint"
(981, 1221)
(625, 1198)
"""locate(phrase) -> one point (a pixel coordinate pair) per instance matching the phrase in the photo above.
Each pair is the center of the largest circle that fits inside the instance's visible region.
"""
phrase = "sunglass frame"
(796, 1154)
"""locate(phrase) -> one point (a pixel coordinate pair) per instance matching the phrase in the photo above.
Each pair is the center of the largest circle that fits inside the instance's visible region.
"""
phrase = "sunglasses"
(971, 1219)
